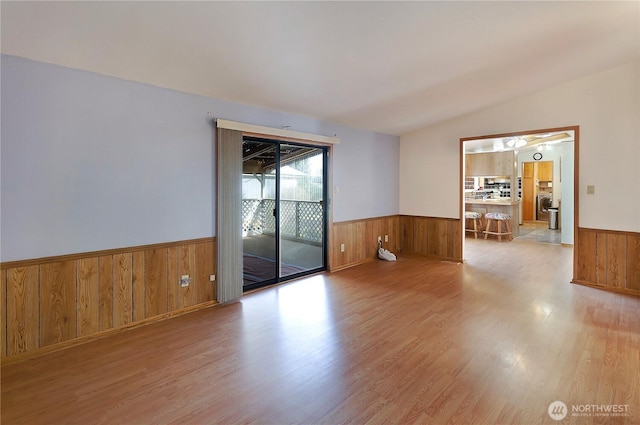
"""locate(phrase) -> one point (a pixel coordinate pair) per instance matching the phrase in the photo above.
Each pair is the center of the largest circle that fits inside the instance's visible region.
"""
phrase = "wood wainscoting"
(360, 240)
(431, 236)
(608, 259)
(49, 301)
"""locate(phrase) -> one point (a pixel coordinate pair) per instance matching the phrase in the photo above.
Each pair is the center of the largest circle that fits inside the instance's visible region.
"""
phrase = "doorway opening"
(530, 175)
(284, 210)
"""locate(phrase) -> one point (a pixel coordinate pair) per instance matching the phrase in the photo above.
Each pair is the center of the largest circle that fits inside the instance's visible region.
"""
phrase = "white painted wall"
(91, 162)
(606, 106)
(567, 211)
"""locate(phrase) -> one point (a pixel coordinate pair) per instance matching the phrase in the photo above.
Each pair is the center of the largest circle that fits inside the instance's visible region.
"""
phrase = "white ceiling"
(391, 67)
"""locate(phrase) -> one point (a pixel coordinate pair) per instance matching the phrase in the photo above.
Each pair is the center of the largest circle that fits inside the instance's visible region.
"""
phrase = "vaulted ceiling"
(390, 67)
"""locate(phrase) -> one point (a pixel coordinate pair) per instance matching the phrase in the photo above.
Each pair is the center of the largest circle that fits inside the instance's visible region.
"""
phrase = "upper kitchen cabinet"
(545, 171)
(490, 164)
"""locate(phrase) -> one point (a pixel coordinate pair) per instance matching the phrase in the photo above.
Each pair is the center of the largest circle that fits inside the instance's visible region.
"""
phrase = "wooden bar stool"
(470, 215)
(499, 218)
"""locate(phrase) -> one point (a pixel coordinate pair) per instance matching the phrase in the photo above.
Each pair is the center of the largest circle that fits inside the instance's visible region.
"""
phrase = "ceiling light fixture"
(516, 142)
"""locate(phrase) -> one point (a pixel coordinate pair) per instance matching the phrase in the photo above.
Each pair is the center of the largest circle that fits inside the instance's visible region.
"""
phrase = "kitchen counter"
(506, 205)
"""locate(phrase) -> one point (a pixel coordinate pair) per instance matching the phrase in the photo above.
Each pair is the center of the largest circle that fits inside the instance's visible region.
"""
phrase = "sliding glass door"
(283, 210)
(259, 244)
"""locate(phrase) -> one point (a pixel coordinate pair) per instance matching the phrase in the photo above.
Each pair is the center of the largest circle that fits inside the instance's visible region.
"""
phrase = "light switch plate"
(591, 189)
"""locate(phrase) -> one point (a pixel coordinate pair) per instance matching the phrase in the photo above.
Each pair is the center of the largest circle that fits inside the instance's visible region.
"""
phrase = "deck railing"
(300, 220)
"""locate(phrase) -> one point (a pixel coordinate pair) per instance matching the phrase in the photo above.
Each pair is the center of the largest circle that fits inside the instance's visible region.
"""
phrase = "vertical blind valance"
(275, 132)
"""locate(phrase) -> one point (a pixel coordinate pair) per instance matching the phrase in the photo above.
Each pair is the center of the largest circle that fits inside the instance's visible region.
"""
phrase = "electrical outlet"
(386, 238)
(341, 247)
(379, 239)
(591, 189)
(185, 280)
(212, 278)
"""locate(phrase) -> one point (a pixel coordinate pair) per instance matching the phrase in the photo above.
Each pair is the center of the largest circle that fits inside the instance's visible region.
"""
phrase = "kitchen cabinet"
(545, 171)
(490, 164)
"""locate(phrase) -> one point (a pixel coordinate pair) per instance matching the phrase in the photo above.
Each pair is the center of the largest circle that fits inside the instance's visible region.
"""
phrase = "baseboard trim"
(353, 264)
(607, 288)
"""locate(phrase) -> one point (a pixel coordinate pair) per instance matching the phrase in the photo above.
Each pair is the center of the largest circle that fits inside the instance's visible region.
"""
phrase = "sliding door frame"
(325, 210)
(230, 283)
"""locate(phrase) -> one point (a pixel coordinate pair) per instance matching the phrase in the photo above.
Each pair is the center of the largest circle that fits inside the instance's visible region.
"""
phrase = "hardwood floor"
(494, 340)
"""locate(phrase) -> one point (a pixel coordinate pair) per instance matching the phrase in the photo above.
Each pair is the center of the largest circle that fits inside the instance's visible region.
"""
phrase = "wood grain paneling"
(106, 291)
(173, 279)
(3, 313)
(601, 258)
(633, 262)
(155, 281)
(205, 253)
(57, 301)
(437, 238)
(406, 233)
(587, 258)
(23, 312)
(616, 256)
(454, 240)
(360, 240)
(137, 278)
(122, 289)
(88, 297)
(419, 236)
(182, 262)
(608, 259)
(431, 236)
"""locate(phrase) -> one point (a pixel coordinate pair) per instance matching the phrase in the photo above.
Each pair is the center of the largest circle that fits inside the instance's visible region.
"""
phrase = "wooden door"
(528, 192)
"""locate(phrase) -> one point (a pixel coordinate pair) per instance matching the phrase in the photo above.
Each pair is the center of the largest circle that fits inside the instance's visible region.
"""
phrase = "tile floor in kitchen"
(539, 232)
